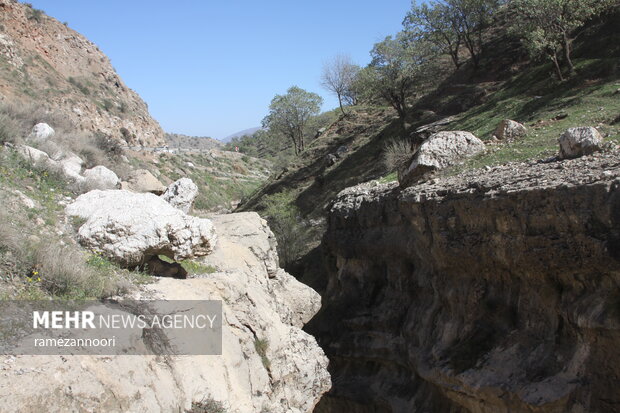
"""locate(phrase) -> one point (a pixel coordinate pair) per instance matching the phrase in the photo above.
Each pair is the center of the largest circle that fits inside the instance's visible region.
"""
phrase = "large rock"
(130, 228)
(290, 376)
(580, 141)
(33, 155)
(509, 130)
(70, 167)
(41, 132)
(142, 180)
(100, 177)
(181, 194)
(441, 150)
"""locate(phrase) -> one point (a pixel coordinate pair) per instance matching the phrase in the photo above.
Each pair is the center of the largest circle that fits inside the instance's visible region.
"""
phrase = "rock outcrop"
(181, 194)
(41, 57)
(441, 150)
(580, 141)
(289, 377)
(130, 228)
(491, 291)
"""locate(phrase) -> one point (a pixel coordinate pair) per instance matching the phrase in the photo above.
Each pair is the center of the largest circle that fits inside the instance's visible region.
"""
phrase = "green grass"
(261, 346)
(535, 100)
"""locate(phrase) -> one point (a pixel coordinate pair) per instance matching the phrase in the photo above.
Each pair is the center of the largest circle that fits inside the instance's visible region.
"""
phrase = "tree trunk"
(567, 52)
(556, 64)
(340, 104)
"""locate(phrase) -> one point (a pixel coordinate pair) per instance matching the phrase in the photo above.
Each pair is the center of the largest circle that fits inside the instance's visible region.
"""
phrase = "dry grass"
(397, 152)
(61, 270)
(9, 130)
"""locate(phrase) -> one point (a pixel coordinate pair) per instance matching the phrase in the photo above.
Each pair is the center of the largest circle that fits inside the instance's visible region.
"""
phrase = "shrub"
(208, 405)
(396, 153)
(261, 346)
(9, 129)
(284, 220)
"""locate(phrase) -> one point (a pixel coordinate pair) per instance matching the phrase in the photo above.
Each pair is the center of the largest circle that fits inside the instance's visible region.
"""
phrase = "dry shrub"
(28, 115)
(63, 269)
(397, 153)
(9, 130)
(65, 272)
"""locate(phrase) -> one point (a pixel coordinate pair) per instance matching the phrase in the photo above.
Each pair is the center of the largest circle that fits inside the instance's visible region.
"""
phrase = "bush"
(208, 405)
(62, 270)
(397, 153)
(9, 130)
(261, 346)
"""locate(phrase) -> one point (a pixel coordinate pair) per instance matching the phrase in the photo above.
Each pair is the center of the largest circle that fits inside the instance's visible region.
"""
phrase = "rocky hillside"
(492, 291)
(191, 143)
(47, 66)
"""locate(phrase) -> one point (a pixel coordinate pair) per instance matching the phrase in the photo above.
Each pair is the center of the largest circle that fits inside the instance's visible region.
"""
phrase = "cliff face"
(44, 62)
(492, 291)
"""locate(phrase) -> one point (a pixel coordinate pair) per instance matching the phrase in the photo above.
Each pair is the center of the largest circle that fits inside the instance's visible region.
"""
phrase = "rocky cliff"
(45, 63)
(492, 291)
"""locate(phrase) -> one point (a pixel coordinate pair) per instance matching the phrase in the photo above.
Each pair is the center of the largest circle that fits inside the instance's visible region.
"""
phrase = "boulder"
(181, 194)
(71, 167)
(100, 177)
(580, 141)
(41, 132)
(441, 150)
(131, 228)
(509, 130)
(142, 180)
(33, 155)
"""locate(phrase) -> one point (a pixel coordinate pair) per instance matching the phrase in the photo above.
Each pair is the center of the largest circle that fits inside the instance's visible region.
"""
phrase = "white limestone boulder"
(130, 228)
(100, 177)
(181, 194)
(439, 151)
(41, 132)
(580, 141)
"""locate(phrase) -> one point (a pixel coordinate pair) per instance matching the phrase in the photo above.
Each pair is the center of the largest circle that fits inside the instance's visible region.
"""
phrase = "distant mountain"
(241, 133)
(177, 140)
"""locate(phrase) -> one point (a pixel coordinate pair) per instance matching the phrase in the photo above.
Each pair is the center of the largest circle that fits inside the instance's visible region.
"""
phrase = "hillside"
(191, 143)
(507, 86)
(249, 131)
(48, 69)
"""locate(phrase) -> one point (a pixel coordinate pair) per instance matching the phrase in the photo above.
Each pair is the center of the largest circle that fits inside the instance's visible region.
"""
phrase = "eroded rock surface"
(491, 291)
(129, 228)
(256, 305)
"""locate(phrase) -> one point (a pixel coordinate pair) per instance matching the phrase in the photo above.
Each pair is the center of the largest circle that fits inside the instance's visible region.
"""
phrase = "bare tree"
(338, 76)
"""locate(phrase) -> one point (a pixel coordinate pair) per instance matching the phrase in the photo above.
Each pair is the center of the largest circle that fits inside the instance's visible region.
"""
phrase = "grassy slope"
(223, 178)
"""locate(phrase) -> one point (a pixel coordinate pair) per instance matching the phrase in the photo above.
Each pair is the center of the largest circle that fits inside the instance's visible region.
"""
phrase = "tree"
(289, 113)
(449, 24)
(437, 24)
(338, 76)
(397, 67)
(549, 27)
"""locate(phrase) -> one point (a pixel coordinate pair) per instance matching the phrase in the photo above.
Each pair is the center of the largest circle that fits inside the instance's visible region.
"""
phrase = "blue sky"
(210, 68)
